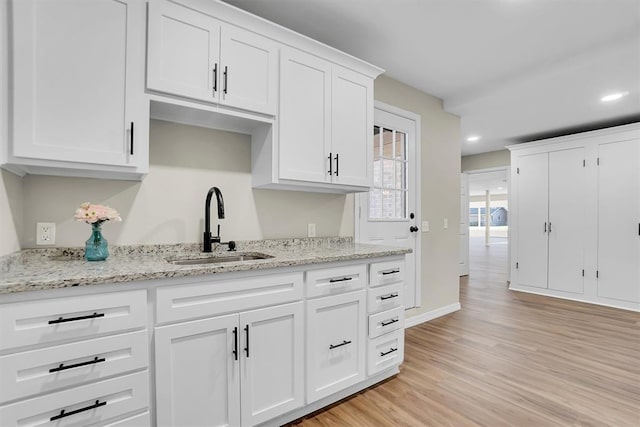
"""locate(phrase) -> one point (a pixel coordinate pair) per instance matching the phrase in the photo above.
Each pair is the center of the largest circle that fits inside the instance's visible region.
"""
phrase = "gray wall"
(492, 159)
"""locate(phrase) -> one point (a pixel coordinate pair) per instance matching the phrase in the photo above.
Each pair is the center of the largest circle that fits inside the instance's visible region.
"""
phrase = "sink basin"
(219, 259)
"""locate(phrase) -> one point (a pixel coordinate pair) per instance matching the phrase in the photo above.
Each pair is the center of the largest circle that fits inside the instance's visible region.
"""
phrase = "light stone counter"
(39, 269)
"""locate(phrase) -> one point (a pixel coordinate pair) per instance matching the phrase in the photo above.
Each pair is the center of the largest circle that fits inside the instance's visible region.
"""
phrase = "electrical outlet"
(311, 230)
(425, 226)
(446, 223)
(46, 233)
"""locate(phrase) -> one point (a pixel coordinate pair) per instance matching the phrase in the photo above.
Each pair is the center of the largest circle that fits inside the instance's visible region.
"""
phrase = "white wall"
(440, 165)
(488, 160)
(168, 206)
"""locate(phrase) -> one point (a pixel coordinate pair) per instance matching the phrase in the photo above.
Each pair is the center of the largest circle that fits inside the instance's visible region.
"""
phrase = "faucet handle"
(232, 245)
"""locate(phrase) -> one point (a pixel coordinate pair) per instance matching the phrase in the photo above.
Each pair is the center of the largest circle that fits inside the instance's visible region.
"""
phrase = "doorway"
(488, 220)
(389, 213)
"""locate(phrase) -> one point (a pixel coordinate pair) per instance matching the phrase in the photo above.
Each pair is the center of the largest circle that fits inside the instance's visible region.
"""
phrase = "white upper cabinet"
(193, 55)
(78, 98)
(325, 126)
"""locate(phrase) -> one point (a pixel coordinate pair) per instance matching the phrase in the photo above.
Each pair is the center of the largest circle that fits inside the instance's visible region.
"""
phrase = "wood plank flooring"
(507, 359)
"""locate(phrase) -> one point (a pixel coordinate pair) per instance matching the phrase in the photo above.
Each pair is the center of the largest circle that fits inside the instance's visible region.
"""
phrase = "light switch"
(446, 223)
(425, 226)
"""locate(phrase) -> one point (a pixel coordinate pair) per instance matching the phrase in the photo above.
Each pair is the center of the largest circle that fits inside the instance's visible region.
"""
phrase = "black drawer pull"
(235, 343)
(384, 353)
(344, 279)
(385, 297)
(392, 321)
(73, 319)
(131, 148)
(332, 346)
(397, 270)
(63, 414)
(246, 349)
(77, 365)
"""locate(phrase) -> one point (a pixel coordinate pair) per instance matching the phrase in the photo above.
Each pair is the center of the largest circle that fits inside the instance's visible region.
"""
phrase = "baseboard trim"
(430, 315)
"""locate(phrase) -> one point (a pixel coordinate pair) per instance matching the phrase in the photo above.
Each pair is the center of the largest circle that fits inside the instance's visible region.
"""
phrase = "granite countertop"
(39, 269)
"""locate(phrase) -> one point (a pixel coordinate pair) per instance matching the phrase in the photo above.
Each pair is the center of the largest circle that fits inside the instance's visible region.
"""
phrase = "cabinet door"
(533, 211)
(197, 374)
(351, 127)
(567, 212)
(248, 71)
(336, 334)
(183, 50)
(76, 84)
(272, 361)
(619, 220)
(305, 117)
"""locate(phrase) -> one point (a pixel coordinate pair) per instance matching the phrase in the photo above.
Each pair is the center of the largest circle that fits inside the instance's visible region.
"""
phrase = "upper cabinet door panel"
(72, 70)
(305, 117)
(248, 71)
(183, 52)
(352, 127)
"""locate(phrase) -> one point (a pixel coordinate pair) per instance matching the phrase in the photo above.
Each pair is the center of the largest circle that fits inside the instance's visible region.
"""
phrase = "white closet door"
(567, 213)
(533, 210)
(619, 220)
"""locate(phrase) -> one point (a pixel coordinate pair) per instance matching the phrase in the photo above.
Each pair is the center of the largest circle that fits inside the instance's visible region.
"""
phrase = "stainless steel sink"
(219, 259)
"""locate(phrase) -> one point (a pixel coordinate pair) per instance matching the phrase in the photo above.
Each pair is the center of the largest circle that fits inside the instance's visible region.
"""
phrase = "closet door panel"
(533, 210)
(567, 220)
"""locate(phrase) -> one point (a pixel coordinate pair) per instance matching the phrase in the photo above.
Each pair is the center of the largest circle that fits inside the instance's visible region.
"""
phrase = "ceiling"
(494, 181)
(513, 70)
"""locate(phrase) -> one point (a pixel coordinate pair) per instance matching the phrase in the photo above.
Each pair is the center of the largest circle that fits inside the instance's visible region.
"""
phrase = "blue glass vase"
(96, 247)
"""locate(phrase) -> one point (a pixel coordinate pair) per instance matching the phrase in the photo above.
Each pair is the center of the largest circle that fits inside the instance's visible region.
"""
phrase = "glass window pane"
(388, 203)
(388, 178)
(400, 175)
(387, 141)
(400, 142)
(377, 173)
(401, 198)
(376, 142)
(375, 203)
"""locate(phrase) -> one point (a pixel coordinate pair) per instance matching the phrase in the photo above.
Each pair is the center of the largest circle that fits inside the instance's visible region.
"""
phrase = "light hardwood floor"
(507, 359)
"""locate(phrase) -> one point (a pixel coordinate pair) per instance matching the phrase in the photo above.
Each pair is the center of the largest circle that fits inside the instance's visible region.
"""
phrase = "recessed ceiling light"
(473, 138)
(613, 96)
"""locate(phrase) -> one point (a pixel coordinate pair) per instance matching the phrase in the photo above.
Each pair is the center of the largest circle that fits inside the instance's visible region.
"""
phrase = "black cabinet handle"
(225, 74)
(390, 322)
(337, 164)
(77, 365)
(344, 279)
(385, 297)
(235, 343)
(64, 414)
(131, 148)
(345, 342)
(384, 353)
(215, 78)
(246, 349)
(330, 164)
(545, 227)
(397, 270)
(549, 226)
(73, 319)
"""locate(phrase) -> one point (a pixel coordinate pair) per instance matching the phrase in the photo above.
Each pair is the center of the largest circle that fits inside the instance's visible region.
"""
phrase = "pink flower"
(91, 214)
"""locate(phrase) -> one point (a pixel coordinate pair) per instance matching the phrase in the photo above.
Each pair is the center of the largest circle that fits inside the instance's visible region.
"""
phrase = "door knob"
(413, 229)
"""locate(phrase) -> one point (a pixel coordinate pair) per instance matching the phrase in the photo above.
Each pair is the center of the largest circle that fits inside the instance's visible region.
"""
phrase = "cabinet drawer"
(138, 420)
(48, 369)
(337, 280)
(386, 321)
(386, 272)
(385, 351)
(83, 405)
(385, 297)
(335, 343)
(182, 302)
(44, 321)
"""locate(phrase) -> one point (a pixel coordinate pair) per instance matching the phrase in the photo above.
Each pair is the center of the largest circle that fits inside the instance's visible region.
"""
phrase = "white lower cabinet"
(336, 343)
(238, 369)
(385, 351)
